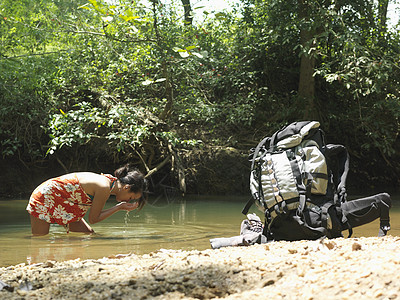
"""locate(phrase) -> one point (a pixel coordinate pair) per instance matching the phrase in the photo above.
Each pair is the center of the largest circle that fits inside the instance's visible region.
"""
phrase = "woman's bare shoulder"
(92, 179)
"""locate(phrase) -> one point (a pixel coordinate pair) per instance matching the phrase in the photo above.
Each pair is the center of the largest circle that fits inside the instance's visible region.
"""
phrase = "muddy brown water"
(182, 223)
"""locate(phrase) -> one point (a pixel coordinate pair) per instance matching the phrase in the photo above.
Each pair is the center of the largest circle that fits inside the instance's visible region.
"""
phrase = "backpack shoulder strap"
(257, 150)
(338, 162)
(251, 201)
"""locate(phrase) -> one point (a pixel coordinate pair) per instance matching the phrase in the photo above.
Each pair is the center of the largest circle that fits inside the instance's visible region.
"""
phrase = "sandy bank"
(364, 268)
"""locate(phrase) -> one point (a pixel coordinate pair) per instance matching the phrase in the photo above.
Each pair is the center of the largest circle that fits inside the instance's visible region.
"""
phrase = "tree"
(382, 15)
(188, 12)
(342, 58)
(308, 44)
(109, 82)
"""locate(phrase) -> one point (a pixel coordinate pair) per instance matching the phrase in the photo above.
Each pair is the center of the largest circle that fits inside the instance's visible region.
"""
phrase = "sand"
(355, 268)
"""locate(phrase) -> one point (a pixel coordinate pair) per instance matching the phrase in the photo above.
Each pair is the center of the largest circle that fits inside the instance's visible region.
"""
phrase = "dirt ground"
(355, 268)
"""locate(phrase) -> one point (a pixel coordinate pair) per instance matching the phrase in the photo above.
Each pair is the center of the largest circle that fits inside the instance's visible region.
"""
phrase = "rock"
(5, 286)
(25, 286)
(356, 246)
(268, 282)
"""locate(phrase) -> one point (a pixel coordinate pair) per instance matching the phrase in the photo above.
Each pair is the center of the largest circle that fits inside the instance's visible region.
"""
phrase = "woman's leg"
(80, 226)
(39, 227)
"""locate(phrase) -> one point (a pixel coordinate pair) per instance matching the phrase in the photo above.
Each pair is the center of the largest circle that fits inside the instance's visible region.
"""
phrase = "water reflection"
(187, 223)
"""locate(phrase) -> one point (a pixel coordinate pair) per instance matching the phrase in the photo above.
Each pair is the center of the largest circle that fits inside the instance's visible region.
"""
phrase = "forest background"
(183, 92)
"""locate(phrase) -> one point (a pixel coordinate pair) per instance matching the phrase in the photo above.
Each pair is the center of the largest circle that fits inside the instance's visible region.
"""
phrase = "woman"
(66, 199)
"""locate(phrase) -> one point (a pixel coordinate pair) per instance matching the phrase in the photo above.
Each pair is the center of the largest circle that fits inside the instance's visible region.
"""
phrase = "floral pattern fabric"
(60, 200)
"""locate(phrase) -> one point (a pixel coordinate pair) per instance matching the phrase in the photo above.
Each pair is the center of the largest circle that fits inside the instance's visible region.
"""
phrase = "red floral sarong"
(60, 200)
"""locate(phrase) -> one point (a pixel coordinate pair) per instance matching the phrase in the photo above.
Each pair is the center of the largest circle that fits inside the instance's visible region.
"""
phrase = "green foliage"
(131, 77)
(23, 108)
(357, 77)
(364, 76)
(117, 126)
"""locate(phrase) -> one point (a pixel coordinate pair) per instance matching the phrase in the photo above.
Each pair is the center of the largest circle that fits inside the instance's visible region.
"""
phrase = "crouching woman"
(66, 199)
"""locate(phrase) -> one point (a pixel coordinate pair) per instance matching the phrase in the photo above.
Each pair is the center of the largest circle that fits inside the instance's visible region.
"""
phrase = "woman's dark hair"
(135, 179)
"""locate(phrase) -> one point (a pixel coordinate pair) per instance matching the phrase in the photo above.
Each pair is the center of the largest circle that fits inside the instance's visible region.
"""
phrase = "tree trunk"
(382, 15)
(306, 91)
(188, 12)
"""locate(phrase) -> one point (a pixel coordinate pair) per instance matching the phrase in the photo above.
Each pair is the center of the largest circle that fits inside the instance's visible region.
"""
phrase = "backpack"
(299, 183)
(298, 180)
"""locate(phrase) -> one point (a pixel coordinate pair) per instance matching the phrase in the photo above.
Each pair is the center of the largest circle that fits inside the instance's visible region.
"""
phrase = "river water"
(185, 223)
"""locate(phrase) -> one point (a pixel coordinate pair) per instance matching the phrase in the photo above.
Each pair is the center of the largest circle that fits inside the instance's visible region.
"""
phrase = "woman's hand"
(127, 206)
(110, 211)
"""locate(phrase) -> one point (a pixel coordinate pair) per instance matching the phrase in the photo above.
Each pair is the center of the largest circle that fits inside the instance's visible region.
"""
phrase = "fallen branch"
(160, 165)
(62, 165)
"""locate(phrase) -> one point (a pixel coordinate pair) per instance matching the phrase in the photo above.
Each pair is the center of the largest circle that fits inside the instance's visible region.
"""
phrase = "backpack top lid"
(293, 135)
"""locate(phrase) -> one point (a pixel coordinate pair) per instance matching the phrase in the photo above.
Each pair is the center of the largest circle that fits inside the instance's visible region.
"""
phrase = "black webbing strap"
(344, 169)
(308, 179)
(299, 180)
(314, 232)
(339, 155)
(350, 229)
(272, 145)
(384, 215)
(265, 231)
(284, 207)
(319, 175)
(324, 214)
(249, 203)
(255, 154)
(345, 221)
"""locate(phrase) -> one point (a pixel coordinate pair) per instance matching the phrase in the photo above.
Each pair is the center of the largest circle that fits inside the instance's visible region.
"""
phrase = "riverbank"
(329, 269)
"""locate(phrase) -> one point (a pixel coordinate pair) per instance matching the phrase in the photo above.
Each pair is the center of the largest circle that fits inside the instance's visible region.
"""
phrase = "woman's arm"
(99, 186)
(97, 216)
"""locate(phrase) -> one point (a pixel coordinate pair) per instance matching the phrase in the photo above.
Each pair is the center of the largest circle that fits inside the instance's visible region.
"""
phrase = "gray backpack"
(298, 182)
(292, 176)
